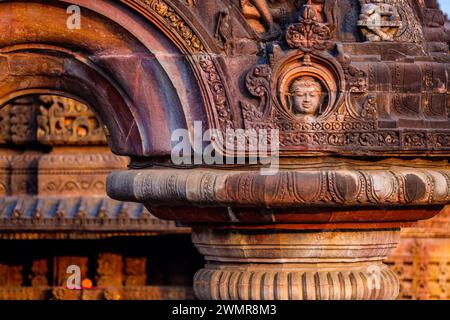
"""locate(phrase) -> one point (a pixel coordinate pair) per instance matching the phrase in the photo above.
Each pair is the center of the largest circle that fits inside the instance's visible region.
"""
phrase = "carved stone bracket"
(327, 187)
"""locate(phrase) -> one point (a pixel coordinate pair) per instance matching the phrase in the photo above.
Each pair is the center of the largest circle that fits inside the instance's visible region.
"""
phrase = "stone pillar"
(255, 264)
(301, 234)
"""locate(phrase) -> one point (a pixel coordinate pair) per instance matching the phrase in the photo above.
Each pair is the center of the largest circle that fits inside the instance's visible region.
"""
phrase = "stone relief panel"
(323, 96)
(23, 121)
(422, 266)
(67, 121)
(49, 120)
(53, 121)
(76, 174)
(269, 17)
(379, 20)
(303, 92)
(389, 20)
(422, 260)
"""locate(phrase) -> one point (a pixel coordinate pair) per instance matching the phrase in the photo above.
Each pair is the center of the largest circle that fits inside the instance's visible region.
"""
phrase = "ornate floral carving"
(410, 29)
(175, 21)
(224, 114)
(357, 79)
(339, 121)
(309, 34)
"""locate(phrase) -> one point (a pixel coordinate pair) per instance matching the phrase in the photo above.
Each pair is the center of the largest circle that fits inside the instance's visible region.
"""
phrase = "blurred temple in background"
(54, 213)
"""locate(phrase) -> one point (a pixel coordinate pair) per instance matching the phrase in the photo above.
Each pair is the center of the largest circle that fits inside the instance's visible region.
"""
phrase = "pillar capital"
(307, 232)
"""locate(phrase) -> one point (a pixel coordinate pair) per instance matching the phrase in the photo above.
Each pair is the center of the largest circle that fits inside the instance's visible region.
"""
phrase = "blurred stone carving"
(67, 121)
(379, 20)
(135, 272)
(224, 32)
(109, 270)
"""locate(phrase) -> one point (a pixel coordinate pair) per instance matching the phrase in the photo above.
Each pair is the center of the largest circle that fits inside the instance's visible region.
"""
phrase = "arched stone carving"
(136, 107)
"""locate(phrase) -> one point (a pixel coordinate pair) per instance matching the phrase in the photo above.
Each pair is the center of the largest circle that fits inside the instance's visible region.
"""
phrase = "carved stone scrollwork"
(309, 34)
(224, 115)
(314, 99)
(410, 29)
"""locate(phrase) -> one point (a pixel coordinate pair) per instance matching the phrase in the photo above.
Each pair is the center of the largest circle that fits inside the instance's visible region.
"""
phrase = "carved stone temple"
(349, 99)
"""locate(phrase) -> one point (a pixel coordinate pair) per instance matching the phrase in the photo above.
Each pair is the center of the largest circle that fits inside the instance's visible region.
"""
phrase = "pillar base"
(295, 265)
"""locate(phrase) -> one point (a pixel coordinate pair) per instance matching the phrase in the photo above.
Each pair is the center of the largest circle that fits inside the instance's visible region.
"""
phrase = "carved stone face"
(307, 96)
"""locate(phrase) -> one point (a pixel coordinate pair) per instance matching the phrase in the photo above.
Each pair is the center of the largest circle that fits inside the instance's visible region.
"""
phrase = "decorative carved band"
(131, 293)
(71, 214)
(328, 187)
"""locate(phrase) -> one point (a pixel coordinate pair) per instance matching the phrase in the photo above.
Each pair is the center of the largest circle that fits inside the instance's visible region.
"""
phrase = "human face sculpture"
(306, 95)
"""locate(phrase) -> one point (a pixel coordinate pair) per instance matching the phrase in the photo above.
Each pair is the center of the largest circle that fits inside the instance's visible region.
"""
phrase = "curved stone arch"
(174, 109)
(175, 25)
(66, 85)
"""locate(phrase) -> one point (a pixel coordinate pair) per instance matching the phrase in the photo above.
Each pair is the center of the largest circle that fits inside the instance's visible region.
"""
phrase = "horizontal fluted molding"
(214, 283)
